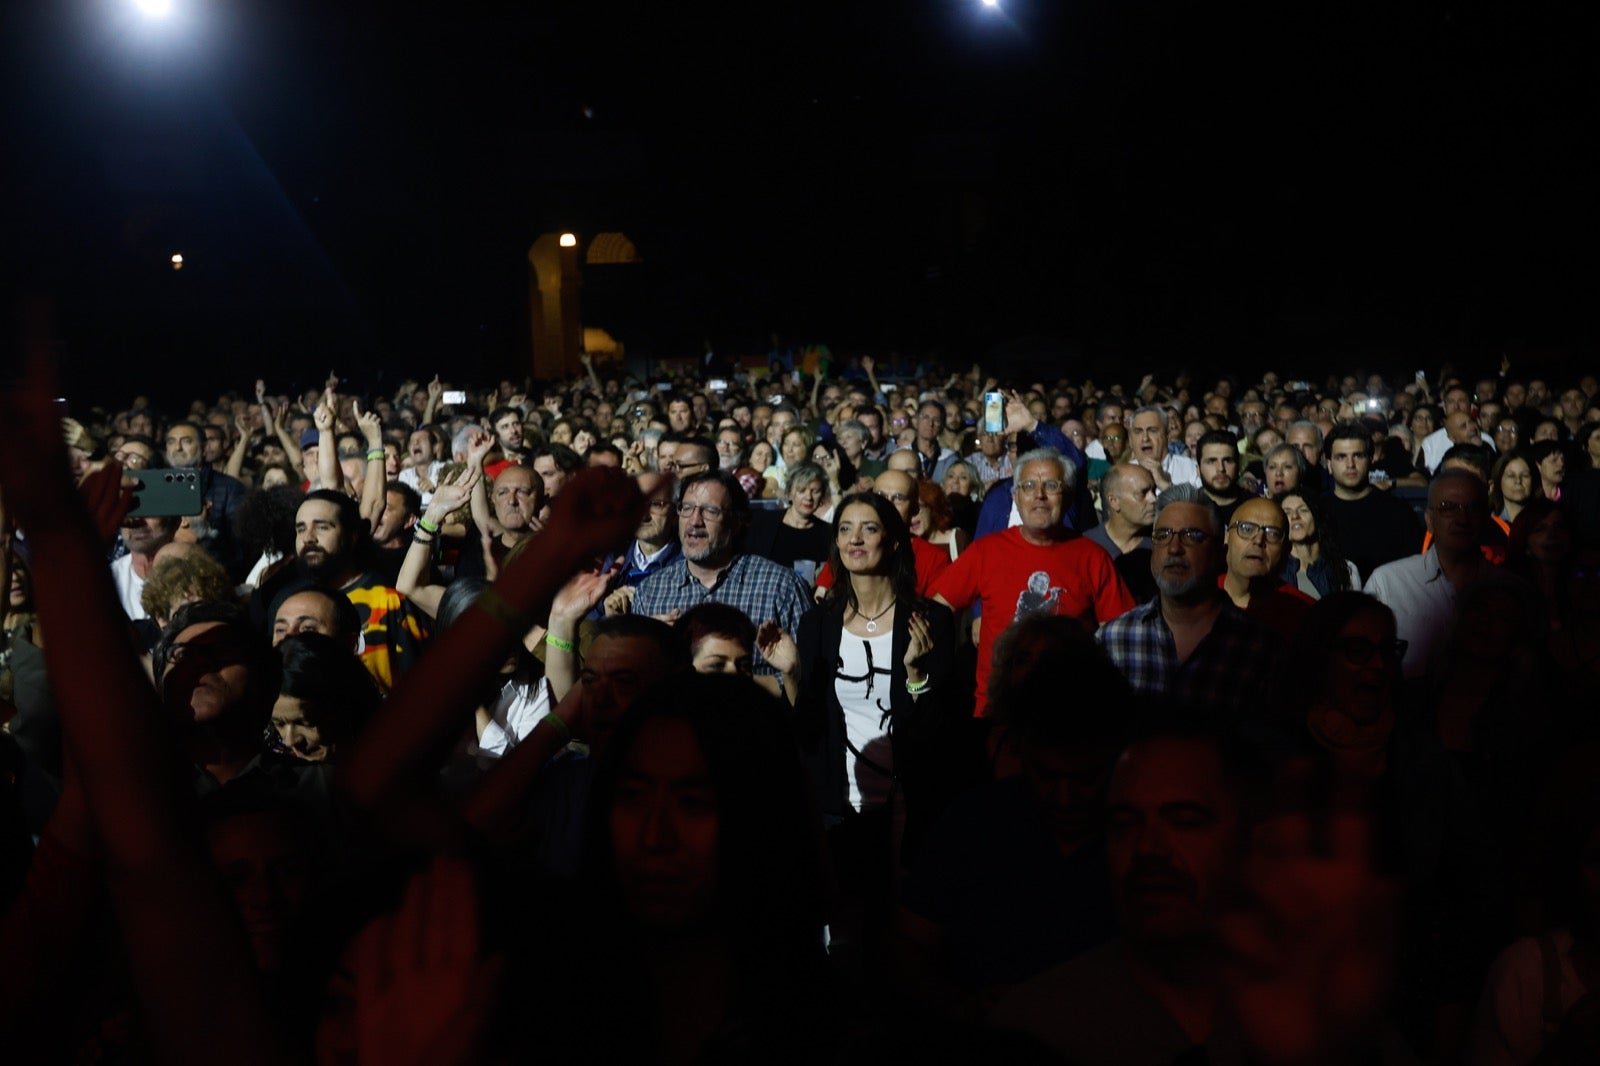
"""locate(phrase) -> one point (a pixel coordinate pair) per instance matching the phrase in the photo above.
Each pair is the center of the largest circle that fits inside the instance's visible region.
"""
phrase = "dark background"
(1110, 186)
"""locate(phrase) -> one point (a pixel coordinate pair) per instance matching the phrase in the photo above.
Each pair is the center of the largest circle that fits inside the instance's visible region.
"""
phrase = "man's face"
(686, 460)
(551, 474)
(393, 519)
(680, 416)
(1487, 389)
(420, 447)
(1348, 462)
(304, 612)
(183, 446)
(515, 499)
(1457, 400)
(1038, 503)
(509, 431)
(144, 535)
(905, 461)
(1461, 428)
(1256, 555)
(1516, 395)
(1150, 436)
(706, 532)
(1305, 438)
(216, 443)
(1172, 840)
(1060, 407)
(1457, 510)
(930, 422)
(134, 455)
(730, 448)
(1074, 430)
(1134, 497)
(1111, 416)
(615, 671)
(781, 423)
(874, 423)
(1182, 569)
(1572, 404)
(900, 490)
(1489, 416)
(1219, 468)
(1252, 415)
(319, 537)
(1283, 417)
(1538, 393)
(660, 522)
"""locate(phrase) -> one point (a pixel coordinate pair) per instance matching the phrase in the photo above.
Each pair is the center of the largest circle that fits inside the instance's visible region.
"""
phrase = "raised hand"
(479, 444)
(322, 418)
(920, 644)
(454, 492)
(582, 592)
(620, 601)
(332, 384)
(370, 425)
(261, 392)
(1018, 418)
(868, 363)
(435, 388)
(777, 647)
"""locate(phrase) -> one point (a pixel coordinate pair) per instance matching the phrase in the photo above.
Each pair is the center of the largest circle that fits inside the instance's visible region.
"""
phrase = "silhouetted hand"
(777, 647)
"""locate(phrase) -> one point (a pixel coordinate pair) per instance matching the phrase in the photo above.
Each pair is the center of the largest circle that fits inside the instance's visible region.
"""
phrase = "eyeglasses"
(1051, 487)
(669, 465)
(215, 648)
(1358, 651)
(896, 497)
(1454, 507)
(132, 460)
(1511, 429)
(1161, 534)
(1248, 531)
(660, 505)
(712, 512)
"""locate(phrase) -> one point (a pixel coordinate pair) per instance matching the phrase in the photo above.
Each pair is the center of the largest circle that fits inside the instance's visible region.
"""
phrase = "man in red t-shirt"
(1039, 567)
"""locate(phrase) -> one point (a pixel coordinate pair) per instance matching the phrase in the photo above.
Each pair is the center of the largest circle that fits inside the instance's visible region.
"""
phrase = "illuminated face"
(1302, 523)
(1516, 482)
(1348, 462)
(516, 500)
(900, 490)
(807, 498)
(1283, 473)
(1257, 556)
(1182, 569)
(680, 415)
(706, 532)
(794, 449)
(391, 461)
(134, 455)
(183, 446)
(420, 447)
(1150, 435)
(1219, 468)
(863, 545)
(304, 612)
(1040, 492)
(319, 534)
(509, 430)
(1305, 438)
(1553, 469)
(1135, 496)
(958, 482)
(295, 730)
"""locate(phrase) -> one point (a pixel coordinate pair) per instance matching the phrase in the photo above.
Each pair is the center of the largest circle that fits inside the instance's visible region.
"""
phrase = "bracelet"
(375, 453)
(420, 538)
(559, 726)
(917, 690)
(495, 606)
(426, 526)
(560, 643)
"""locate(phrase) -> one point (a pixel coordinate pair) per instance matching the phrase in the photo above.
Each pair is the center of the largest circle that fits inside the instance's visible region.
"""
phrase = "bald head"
(900, 489)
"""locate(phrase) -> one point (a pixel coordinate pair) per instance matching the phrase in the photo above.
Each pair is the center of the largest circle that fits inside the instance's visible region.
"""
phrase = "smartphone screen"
(454, 396)
(994, 412)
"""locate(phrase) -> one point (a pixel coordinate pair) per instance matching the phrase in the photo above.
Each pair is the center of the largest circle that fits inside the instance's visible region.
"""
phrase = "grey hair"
(852, 425)
(1305, 424)
(1183, 492)
(1155, 409)
(1069, 469)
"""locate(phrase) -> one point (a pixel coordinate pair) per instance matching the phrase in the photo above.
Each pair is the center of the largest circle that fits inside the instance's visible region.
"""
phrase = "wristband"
(420, 538)
(559, 725)
(495, 606)
(375, 453)
(560, 643)
(917, 690)
(426, 526)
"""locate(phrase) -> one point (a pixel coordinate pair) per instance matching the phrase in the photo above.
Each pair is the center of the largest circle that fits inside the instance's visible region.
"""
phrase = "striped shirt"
(759, 587)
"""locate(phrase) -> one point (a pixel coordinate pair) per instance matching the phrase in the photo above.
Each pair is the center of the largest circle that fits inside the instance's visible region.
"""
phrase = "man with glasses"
(1190, 644)
(654, 547)
(688, 456)
(135, 452)
(713, 512)
(1256, 541)
(1421, 589)
(1037, 567)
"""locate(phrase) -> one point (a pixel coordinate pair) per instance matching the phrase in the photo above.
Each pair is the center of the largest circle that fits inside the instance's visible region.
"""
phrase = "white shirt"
(408, 476)
(1435, 444)
(129, 587)
(512, 716)
(862, 684)
(1423, 601)
(1181, 469)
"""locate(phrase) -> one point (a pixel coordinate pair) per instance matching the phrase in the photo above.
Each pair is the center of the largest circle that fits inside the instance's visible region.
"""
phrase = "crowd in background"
(809, 714)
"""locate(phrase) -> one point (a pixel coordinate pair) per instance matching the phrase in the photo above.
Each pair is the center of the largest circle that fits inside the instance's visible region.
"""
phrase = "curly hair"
(180, 579)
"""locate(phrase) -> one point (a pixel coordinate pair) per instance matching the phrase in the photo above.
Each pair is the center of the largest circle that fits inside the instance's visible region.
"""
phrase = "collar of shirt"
(722, 575)
(638, 560)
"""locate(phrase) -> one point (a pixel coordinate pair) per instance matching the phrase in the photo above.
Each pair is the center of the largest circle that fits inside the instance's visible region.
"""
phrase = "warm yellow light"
(177, 261)
(569, 240)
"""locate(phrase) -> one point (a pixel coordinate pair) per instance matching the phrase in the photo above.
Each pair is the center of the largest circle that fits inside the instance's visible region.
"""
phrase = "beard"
(321, 564)
(1183, 585)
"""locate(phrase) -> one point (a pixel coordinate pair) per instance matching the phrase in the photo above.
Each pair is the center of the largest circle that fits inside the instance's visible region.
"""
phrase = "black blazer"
(915, 726)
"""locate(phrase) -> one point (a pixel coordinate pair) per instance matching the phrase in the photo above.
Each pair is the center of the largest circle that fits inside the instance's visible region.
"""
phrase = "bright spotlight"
(156, 9)
(177, 261)
(569, 240)
(992, 5)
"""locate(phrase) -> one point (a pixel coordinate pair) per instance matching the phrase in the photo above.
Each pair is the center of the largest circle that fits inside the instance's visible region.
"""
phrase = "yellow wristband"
(560, 643)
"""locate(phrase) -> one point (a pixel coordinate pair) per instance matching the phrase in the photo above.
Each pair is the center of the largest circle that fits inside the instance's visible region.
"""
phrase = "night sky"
(1180, 184)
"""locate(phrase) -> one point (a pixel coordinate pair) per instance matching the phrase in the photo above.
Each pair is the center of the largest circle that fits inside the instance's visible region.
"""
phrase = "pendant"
(872, 627)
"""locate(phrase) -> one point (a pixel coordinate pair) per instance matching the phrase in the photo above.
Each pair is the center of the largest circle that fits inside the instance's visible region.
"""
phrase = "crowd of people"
(808, 715)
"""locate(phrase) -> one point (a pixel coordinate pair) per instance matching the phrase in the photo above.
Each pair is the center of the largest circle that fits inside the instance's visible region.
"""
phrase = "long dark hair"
(902, 562)
(1338, 572)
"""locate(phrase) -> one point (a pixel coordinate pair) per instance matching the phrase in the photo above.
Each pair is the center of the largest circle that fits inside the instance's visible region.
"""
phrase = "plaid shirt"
(1225, 676)
(759, 587)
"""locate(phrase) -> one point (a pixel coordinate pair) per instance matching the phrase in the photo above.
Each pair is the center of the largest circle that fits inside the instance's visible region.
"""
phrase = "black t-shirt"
(1376, 529)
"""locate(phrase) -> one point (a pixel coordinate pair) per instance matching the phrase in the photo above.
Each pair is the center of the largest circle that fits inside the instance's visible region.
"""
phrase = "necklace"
(872, 623)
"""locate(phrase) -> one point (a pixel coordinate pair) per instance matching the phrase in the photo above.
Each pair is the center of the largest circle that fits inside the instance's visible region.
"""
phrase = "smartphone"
(994, 412)
(888, 386)
(775, 399)
(719, 385)
(163, 493)
(453, 396)
(664, 386)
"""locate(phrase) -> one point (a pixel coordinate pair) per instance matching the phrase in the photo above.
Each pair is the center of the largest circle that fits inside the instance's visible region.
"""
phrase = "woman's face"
(1516, 482)
(718, 654)
(1550, 541)
(794, 449)
(861, 539)
(582, 441)
(850, 442)
(561, 434)
(666, 829)
(303, 739)
(958, 482)
(273, 477)
(1422, 422)
(1266, 440)
(761, 456)
(1546, 430)
(1361, 667)
(1191, 437)
(1302, 523)
(1283, 473)
(1553, 469)
(807, 498)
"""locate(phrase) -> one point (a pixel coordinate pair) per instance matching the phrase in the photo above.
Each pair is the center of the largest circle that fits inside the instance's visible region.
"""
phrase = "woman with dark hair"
(264, 527)
(1320, 567)
(1587, 441)
(1550, 456)
(1513, 483)
(324, 700)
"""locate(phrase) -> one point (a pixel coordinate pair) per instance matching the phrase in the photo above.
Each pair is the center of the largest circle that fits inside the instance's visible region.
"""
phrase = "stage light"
(156, 9)
(992, 5)
(177, 261)
(569, 240)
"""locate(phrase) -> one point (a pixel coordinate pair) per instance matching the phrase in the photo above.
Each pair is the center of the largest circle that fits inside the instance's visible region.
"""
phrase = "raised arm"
(278, 416)
(869, 365)
(479, 444)
(594, 378)
(191, 964)
(236, 459)
(373, 497)
(329, 476)
(576, 599)
(435, 394)
(415, 582)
